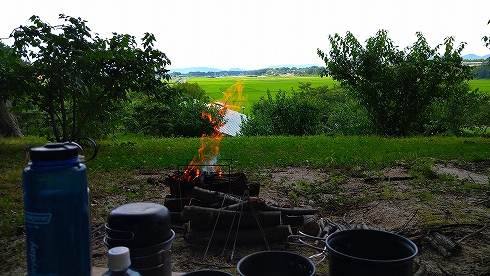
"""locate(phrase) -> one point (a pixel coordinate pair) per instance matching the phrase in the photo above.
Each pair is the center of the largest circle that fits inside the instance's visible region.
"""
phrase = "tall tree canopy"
(75, 76)
(396, 86)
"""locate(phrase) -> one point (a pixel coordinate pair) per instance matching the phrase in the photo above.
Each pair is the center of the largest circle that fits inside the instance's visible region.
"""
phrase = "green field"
(482, 85)
(256, 87)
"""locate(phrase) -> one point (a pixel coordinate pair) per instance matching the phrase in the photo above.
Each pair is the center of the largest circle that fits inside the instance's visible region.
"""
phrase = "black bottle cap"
(54, 152)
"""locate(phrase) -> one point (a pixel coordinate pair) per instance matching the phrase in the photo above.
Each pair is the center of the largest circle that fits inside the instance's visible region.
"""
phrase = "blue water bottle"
(56, 209)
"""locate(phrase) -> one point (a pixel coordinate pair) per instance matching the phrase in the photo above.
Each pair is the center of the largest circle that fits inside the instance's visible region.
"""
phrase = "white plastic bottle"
(119, 262)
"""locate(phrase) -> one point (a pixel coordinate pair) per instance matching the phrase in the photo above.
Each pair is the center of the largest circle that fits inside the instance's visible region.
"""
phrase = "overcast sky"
(254, 34)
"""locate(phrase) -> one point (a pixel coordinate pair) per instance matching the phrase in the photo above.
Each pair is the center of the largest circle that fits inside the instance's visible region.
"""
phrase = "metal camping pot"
(145, 229)
(275, 263)
(370, 252)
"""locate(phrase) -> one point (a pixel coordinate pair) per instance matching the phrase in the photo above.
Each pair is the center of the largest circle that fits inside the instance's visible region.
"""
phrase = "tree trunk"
(8, 122)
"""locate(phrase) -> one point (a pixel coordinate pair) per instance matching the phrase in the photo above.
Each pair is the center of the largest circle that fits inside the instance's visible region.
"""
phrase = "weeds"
(423, 168)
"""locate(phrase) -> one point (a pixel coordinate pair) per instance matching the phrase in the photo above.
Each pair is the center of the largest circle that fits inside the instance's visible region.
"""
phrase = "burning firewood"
(230, 202)
(237, 183)
(221, 203)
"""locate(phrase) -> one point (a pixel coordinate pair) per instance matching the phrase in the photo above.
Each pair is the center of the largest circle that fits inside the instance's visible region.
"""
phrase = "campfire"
(183, 182)
(204, 171)
(217, 206)
(214, 205)
(207, 155)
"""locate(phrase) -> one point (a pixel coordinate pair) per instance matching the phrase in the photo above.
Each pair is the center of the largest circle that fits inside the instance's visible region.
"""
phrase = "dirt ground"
(451, 203)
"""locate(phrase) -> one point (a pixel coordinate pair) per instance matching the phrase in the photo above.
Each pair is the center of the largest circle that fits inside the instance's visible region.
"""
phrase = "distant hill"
(195, 69)
(213, 70)
(475, 57)
(208, 69)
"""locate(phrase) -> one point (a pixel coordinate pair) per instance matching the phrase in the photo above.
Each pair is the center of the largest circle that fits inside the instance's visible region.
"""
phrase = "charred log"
(292, 220)
(273, 234)
(444, 245)
(258, 204)
(212, 197)
(176, 204)
(311, 225)
(224, 219)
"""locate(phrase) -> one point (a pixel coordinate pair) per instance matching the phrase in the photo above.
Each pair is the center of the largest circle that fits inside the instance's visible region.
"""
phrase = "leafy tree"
(16, 119)
(395, 87)
(186, 90)
(483, 71)
(149, 117)
(79, 79)
(188, 120)
(479, 116)
(307, 111)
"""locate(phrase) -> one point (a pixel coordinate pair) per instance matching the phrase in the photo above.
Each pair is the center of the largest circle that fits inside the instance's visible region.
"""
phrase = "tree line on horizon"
(479, 72)
(277, 71)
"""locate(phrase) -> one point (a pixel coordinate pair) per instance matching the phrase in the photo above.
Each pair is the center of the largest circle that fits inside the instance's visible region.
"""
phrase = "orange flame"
(207, 155)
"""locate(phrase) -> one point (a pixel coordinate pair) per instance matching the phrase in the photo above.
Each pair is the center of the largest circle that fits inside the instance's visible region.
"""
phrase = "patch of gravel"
(461, 173)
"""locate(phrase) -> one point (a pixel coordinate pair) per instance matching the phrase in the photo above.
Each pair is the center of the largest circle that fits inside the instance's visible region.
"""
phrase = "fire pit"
(217, 207)
(183, 181)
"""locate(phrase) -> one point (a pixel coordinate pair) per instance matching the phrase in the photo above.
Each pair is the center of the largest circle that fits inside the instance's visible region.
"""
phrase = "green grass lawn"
(249, 153)
(131, 152)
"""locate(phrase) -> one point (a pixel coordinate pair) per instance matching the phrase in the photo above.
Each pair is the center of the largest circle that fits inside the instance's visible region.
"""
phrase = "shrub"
(178, 116)
(284, 115)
